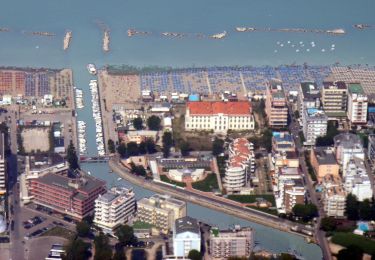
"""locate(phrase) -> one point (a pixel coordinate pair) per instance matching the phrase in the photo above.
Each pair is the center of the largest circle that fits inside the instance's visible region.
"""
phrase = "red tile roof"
(216, 107)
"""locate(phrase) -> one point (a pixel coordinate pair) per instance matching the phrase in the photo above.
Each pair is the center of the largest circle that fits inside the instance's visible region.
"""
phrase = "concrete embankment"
(215, 204)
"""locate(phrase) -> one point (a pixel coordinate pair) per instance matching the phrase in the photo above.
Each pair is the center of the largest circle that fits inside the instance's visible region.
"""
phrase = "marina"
(67, 39)
(97, 117)
(79, 98)
(81, 125)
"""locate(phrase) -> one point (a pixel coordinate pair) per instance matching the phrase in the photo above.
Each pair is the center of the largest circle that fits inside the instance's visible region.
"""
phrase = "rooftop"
(219, 107)
(187, 224)
(356, 88)
(282, 137)
(347, 140)
(315, 113)
(324, 155)
(335, 85)
(310, 91)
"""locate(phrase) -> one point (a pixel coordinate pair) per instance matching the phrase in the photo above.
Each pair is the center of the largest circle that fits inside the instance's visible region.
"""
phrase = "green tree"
(138, 170)
(352, 207)
(167, 141)
(365, 210)
(153, 123)
(194, 255)
(328, 224)
(306, 212)
(76, 249)
(103, 250)
(132, 149)
(121, 149)
(150, 146)
(138, 123)
(142, 148)
(83, 228)
(266, 139)
(71, 157)
(125, 235)
(111, 146)
(350, 253)
(217, 146)
(185, 148)
(327, 140)
(119, 252)
(285, 256)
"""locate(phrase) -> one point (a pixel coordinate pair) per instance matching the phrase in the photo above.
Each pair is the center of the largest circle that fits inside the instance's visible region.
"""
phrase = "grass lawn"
(252, 198)
(165, 178)
(346, 239)
(60, 232)
(266, 210)
(208, 184)
(141, 225)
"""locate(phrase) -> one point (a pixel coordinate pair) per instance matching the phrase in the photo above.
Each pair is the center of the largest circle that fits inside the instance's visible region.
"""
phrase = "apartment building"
(314, 123)
(356, 180)
(333, 196)
(308, 97)
(231, 243)
(240, 165)
(348, 146)
(283, 142)
(324, 162)
(276, 105)
(219, 116)
(72, 196)
(371, 148)
(3, 167)
(161, 211)
(294, 193)
(113, 208)
(357, 104)
(334, 99)
(186, 236)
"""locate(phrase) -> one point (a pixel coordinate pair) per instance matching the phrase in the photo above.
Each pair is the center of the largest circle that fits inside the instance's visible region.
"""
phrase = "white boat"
(219, 35)
(241, 29)
(119, 179)
(91, 68)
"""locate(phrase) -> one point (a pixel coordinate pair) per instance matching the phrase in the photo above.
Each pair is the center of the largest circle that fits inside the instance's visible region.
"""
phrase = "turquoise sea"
(194, 16)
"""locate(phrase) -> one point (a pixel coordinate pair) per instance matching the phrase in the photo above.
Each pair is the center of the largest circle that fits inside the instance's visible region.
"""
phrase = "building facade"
(357, 181)
(231, 243)
(113, 208)
(219, 116)
(371, 148)
(276, 106)
(161, 211)
(357, 104)
(3, 167)
(348, 146)
(186, 236)
(294, 193)
(72, 196)
(333, 196)
(314, 123)
(334, 99)
(240, 164)
(324, 162)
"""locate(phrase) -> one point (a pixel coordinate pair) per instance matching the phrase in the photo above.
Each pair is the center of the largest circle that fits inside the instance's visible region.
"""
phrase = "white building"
(3, 169)
(113, 208)
(240, 164)
(357, 180)
(219, 116)
(314, 123)
(333, 195)
(357, 104)
(276, 105)
(308, 97)
(371, 148)
(186, 236)
(348, 146)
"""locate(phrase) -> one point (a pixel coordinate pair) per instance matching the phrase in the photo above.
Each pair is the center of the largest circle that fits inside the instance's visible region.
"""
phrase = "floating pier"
(67, 39)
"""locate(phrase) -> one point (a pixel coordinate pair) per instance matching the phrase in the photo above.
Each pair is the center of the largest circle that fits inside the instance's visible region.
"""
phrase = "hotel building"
(218, 116)
(161, 211)
(186, 236)
(334, 99)
(113, 208)
(314, 123)
(357, 104)
(276, 106)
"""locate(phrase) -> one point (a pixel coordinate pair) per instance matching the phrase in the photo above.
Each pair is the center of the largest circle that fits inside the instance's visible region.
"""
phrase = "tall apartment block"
(357, 104)
(276, 106)
(334, 99)
(3, 168)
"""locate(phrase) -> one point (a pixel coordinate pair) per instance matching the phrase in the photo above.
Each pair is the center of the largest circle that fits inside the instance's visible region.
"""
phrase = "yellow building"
(324, 162)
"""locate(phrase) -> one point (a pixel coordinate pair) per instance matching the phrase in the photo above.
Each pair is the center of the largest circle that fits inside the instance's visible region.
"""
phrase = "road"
(319, 234)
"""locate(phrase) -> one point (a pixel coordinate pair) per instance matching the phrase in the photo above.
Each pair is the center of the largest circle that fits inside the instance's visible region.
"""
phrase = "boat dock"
(106, 41)
(67, 39)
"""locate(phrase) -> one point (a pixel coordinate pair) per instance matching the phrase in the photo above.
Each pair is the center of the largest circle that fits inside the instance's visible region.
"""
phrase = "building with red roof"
(219, 116)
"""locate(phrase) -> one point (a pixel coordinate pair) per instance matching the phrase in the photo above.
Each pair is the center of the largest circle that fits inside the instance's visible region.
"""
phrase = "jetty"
(339, 31)
(49, 34)
(67, 39)
(106, 41)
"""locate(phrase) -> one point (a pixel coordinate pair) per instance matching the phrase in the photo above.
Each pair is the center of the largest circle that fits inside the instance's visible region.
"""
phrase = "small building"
(324, 162)
(231, 243)
(282, 142)
(357, 181)
(186, 236)
(286, 159)
(181, 174)
(140, 136)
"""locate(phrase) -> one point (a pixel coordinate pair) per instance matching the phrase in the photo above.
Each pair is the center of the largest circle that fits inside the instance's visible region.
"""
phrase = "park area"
(347, 239)
(36, 139)
(252, 199)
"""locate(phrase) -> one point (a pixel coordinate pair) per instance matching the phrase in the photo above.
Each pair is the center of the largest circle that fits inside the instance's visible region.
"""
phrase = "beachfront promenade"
(203, 199)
